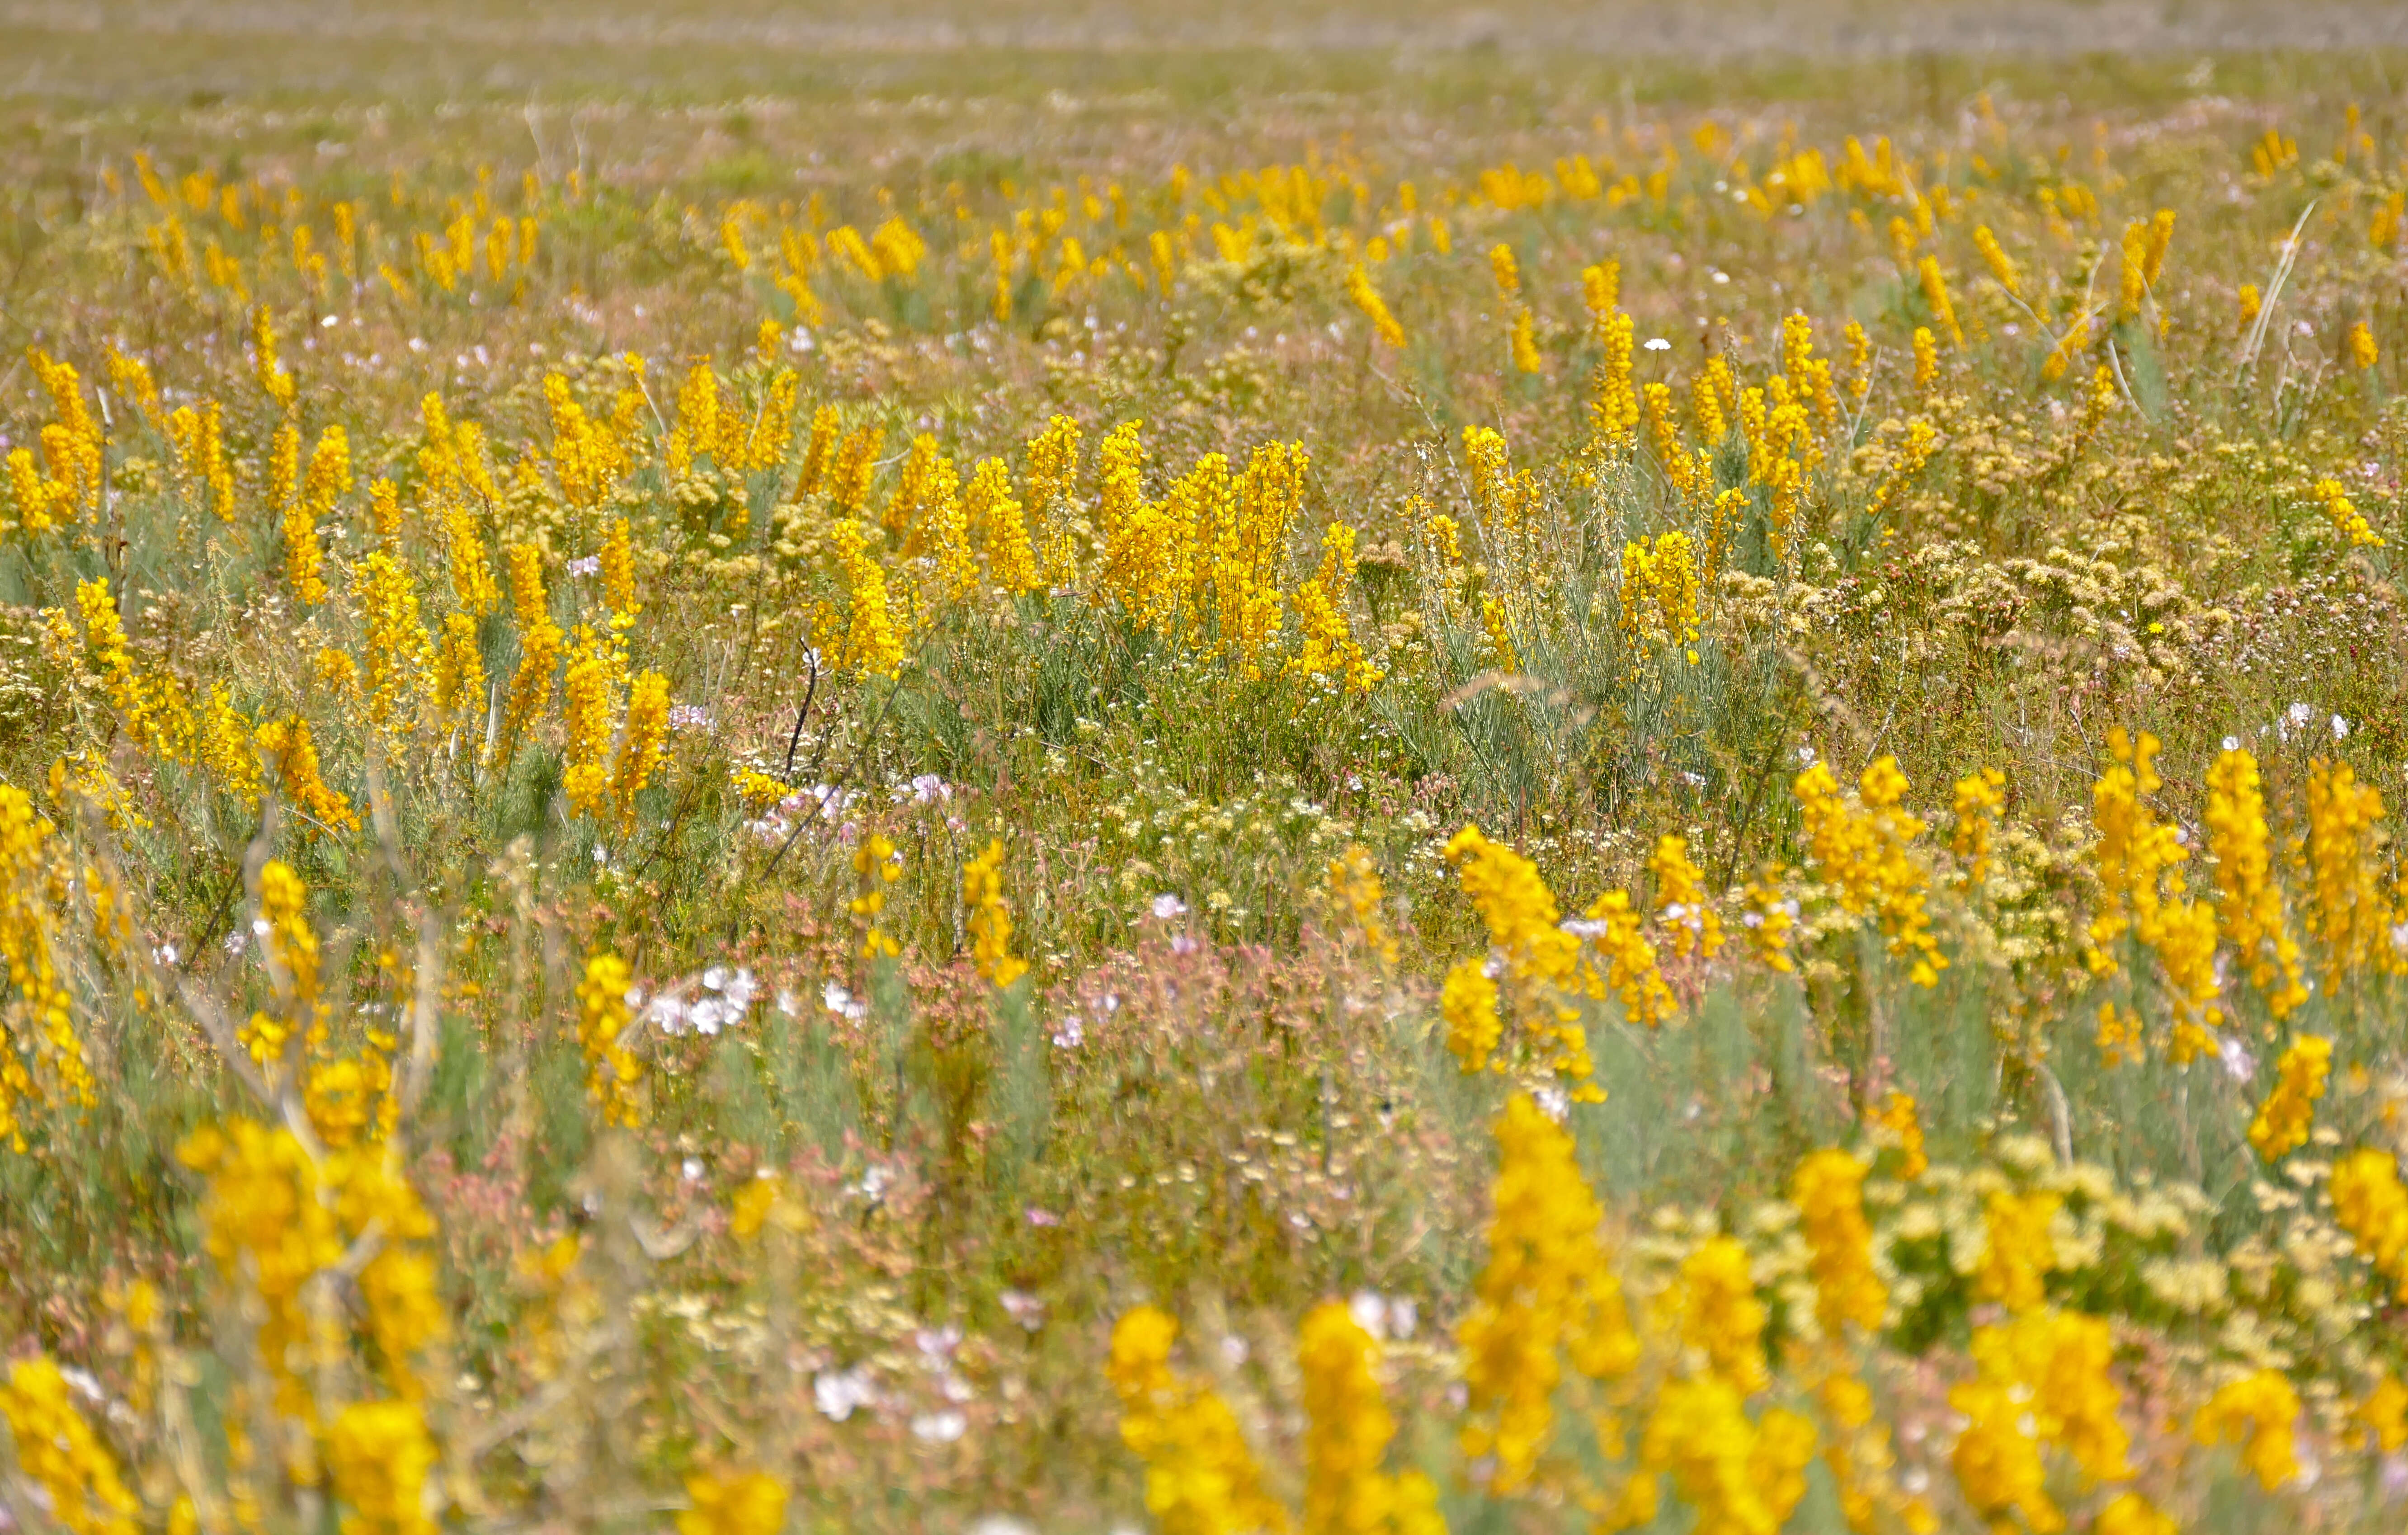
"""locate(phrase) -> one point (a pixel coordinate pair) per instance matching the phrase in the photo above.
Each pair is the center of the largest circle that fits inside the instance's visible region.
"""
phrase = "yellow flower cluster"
(1611, 924)
(1346, 1437)
(733, 1503)
(2349, 911)
(876, 864)
(1896, 1124)
(990, 918)
(329, 477)
(1329, 648)
(1200, 1479)
(540, 643)
(268, 1227)
(400, 657)
(381, 1454)
(1827, 1188)
(2289, 1110)
(2251, 905)
(613, 1073)
(154, 704)
(2346, 520)
(2019, 1252)
(585, 709)
(1530, 951)
(1974, 813)
(2371, 1206)
(1720, 1316)
(1741, 1477)
(2142, 892)
(1375, 308)
(871, 644)
(1862, 851)
(41, 1026)
(292, 947)
(1680, 903)
(1659, 592)
(57, 1451)
(2256, 1412)
(67, 484)
(2043, 1380)
(1547, 1295)
(1351, 882)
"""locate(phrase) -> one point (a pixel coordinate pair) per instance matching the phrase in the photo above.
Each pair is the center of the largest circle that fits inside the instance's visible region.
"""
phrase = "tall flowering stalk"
(1863, 850)
(990, 918)
(2290, 1112)
(604, 1019)
(2251, 902)
(2349, 911)
(40, 1054)
(1546, 1298)
(58, 1453)
(1347, 1435)
(2370, 1204)
(2141, 891)
(1200, 1478)
(1529, 951)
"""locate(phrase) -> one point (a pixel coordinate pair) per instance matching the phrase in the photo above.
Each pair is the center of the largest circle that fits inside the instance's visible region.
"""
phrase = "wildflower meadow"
(759, 778)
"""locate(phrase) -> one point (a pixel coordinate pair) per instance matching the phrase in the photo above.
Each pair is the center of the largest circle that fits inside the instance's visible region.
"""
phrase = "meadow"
(1101, 781)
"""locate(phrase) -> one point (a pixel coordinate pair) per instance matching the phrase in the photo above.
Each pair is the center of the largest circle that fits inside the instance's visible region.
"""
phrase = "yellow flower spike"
(2256, 1412)
(1996, 1461)
(273, 379)
(1720, 1316)
(2289, 1110)
(1524, 342)
(1347, 1435)
(1537, 959)
(1660, 589)
(2018, 1253)
(1547, 1297)
(990, 918)
(2001, 266)
(2143, 893)
(876, 864)
(2359, 345)
(2251, 907)
(1935, 292)
(1505, 269)
(1827, 1188)
(291, 753)
(1200, 1478)
(1614, 403)
(1374, 309)
(1681, 904)
(1926, 361)
(2346, 519)
(2129, 1513)
(871, 644)
(1741, 1477)
(605, 1017)
(381, 1455)
(992, 513)
(1975, 811)
(59, 1454)
(2383, 1414)
(1863, 850)
(2371, 1206)
(733, 1503)
(400, 656)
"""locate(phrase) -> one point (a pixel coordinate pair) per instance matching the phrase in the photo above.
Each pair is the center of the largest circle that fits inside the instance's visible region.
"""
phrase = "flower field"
(1356, 792)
